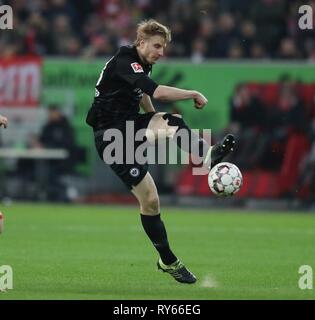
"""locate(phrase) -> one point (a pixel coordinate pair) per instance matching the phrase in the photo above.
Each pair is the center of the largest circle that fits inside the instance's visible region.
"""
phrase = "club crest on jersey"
(134, 172)
(137, 67)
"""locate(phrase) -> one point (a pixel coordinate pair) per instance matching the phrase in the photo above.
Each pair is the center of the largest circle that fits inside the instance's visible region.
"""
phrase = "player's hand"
(3, 121)
(200, 100)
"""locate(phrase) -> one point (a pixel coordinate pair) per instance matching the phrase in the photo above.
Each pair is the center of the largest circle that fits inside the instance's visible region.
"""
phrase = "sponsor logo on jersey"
(137, 67)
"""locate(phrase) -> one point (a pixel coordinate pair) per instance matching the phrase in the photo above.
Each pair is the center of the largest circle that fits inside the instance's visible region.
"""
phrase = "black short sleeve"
(147, 85)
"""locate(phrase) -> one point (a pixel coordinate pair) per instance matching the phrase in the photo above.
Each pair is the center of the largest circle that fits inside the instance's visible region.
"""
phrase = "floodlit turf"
(101, 252)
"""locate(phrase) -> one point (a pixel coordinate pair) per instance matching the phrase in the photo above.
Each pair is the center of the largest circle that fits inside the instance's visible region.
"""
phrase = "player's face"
(152, 49)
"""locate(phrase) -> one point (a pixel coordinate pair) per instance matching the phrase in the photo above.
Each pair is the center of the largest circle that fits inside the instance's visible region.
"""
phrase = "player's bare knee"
(151, 204)
(160, 128)
(154, 204)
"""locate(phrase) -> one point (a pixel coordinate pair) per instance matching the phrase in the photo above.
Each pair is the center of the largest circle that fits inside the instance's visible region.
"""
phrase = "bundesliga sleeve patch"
(137, 68)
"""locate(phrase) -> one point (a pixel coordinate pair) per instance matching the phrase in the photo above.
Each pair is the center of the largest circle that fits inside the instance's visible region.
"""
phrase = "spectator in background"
(306, 180)
(288, 49)
(12, 43)
(247, 36)
(207, 32)
(100, 46)
(257, 51)
(63, 32)
(247, 119)
(286, 117)
(235, 29)
(237, 7)
(37, 35)
(269, 17)
(57, 133)
(63, 8)
(73, 47)
(199, 48)
(178, 35)
(235, 51)
(226, 34)
(310, 50)
(289, 113)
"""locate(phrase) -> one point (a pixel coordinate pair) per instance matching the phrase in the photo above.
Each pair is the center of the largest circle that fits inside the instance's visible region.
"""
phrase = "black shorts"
(130, 174)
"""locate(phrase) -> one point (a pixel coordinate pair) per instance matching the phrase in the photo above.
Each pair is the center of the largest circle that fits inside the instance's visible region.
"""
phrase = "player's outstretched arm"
(3, 121)
(174, 94)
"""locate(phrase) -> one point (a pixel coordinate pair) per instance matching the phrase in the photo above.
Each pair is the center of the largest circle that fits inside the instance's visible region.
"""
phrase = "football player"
(123, 86)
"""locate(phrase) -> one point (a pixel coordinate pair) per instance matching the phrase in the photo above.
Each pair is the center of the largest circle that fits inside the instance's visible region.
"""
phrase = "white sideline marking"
(209, 282)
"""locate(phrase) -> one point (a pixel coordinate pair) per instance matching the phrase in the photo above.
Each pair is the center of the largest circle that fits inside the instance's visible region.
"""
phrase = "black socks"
(155, 229)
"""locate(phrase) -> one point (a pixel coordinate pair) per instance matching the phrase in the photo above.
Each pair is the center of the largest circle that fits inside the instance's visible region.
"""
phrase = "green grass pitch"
(102, 252)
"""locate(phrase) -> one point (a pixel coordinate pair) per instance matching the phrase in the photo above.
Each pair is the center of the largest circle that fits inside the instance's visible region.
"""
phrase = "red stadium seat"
(266, 185)
(248, 183)
(185, 184)
(270, 94)
(202, 187)
(297, 147)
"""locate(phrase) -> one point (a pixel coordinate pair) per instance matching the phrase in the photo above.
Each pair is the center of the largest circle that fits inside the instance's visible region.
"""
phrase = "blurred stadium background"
(249, 58)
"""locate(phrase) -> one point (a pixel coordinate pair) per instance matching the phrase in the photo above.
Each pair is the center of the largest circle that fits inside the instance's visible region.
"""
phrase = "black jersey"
(120, 88)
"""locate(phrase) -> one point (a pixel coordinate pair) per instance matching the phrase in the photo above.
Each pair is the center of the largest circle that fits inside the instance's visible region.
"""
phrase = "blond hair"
(149, 28)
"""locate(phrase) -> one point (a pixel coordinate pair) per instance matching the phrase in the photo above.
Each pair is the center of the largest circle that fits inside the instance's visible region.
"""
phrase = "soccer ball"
(225, 179)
